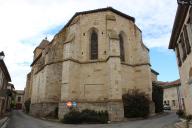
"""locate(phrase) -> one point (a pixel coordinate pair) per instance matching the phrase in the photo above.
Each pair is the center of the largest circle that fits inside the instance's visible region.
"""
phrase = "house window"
(167, 102)
(188, 47)
(19, 99)
(94, 45)
(190, 77)
(183, 47)
(173, 103)
(122, 54)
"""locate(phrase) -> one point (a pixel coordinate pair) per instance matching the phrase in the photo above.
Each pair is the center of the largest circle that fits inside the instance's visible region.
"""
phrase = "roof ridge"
(97, 10)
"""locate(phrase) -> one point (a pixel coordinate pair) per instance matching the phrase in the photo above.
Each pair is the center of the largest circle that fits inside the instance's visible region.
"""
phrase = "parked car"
(166, 107)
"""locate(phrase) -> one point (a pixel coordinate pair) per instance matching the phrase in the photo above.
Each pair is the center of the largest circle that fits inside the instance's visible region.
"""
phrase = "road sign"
(74, 104)
(69, 104)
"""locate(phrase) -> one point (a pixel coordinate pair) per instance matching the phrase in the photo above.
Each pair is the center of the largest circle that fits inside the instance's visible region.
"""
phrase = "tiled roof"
(178, 23)
(170, 84)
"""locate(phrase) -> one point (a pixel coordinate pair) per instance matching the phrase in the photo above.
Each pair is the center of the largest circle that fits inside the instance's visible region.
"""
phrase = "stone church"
(97, 56)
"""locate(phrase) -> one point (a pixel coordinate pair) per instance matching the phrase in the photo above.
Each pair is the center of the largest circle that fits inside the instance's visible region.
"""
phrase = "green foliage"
(157, 97)
(85, 116)
(27, 105)
(136, 104)
(180, 113)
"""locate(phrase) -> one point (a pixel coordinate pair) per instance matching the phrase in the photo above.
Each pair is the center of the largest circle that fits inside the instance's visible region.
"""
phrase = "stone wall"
(43, 109)
(184, 71)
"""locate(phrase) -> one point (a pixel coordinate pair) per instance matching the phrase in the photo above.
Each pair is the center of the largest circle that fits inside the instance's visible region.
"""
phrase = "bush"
(27, 105)
(180, 113)
(157, 97)
(136, 104)
(72, 117)
(86, 116)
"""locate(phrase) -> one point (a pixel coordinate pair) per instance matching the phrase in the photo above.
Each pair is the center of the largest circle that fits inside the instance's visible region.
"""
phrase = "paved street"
(21, 120)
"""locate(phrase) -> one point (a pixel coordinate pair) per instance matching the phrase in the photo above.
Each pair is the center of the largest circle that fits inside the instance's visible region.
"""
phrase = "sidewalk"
(3, 122)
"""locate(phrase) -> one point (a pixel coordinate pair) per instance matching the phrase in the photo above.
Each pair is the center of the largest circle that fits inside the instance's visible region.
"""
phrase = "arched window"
(94, 45)
(122, 54)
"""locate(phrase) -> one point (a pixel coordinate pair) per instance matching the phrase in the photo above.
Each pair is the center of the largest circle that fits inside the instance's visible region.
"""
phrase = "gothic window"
(94, 45)
(188, 47)
(122, 54)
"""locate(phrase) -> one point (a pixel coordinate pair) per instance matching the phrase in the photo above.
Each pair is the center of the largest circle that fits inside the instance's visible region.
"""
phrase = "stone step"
(180, 125)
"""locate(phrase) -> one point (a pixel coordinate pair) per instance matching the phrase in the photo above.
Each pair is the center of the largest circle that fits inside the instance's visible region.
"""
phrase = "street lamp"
(184, 2)
(2, 55)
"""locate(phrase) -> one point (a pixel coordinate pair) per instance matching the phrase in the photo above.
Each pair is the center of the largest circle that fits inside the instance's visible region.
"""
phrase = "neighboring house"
(172, 94)
(4, 79)
(181, 43)
(19, 99)
(28, 88)
(97, 57)
(10, 96)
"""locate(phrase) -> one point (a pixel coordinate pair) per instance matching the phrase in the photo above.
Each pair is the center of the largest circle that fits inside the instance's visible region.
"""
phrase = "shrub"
(157, 97)
(27, 105)
(72, 117)
(136, 104)
(180, 113)
(86, 116)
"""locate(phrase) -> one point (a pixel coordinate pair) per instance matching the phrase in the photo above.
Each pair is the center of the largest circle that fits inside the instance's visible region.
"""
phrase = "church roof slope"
(99, 10)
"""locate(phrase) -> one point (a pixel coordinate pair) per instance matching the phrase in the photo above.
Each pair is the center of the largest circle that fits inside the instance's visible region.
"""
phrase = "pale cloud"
(24, 23)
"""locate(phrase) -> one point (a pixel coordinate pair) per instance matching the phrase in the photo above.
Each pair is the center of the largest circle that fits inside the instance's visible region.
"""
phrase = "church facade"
(97, 57)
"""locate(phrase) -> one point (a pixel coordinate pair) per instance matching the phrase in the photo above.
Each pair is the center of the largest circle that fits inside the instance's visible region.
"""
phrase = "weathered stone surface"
(43, 109)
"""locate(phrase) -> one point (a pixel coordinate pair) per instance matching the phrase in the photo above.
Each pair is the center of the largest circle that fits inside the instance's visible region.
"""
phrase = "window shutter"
(178, 56)
(188, 47)
(190, 16)
(183, 47)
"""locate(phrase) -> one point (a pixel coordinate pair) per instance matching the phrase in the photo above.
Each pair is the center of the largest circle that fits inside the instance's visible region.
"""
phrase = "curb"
(3, 124)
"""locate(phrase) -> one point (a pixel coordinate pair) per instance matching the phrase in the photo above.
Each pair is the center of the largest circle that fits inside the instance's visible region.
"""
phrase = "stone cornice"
(93, 101)
(91, 61)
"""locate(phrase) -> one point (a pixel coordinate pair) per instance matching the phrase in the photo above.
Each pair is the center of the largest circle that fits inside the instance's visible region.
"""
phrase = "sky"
(24, 23)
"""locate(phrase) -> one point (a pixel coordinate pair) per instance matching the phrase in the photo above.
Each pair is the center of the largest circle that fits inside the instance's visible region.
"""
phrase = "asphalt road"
(20, 120)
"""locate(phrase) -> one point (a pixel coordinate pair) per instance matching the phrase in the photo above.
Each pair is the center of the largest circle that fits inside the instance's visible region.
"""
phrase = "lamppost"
(2, 55)
(184, 2)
